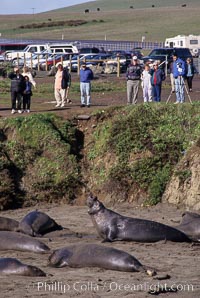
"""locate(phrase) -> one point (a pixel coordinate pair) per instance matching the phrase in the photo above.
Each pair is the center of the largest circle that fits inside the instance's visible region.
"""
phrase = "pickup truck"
(27, 52)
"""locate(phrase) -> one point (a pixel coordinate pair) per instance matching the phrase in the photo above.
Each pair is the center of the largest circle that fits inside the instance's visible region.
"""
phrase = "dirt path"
(178, 260)
(100, 100)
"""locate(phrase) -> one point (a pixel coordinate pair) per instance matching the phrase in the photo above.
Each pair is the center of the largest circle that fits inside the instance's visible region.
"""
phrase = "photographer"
(178, 69)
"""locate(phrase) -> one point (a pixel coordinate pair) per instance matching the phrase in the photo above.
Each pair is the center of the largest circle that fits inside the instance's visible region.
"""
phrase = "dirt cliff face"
(184, 186)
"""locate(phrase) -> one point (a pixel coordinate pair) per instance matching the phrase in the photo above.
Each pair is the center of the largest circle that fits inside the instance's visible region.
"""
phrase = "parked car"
(99, 59)
(88, 50)
(124, 60)
(53, 60)
(82, 57)
(66, 62)
(2, 58)
(138, 53)
(163, 54)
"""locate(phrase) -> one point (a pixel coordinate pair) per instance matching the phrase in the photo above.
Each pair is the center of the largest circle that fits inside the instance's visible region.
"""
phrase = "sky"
(34, 6)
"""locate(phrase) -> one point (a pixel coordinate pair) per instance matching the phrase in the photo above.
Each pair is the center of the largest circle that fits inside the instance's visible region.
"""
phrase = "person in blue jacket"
(27, 95)
(86, 75)
(158, 75)
(178, 69)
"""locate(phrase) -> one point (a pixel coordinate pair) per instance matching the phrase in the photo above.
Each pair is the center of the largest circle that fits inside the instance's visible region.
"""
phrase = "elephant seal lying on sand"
(92, 255)
(18, 241)
(14, 266)
(190, 225)
(8, 224)
(112, 226)
(37, 224)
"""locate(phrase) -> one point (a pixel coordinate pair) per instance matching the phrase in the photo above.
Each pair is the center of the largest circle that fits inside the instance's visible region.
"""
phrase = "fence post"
(38, 62)
(31, 61)
(24, 59)
(18, 59)
(118, 67)
(70, 63)
(46, 65)
(78, 66)
(166, 65)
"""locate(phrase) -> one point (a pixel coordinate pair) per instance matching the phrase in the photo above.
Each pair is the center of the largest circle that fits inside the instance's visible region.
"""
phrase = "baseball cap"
(134, 57)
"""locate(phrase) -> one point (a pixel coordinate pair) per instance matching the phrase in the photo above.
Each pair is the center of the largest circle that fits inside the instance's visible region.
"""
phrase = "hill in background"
(113, 20)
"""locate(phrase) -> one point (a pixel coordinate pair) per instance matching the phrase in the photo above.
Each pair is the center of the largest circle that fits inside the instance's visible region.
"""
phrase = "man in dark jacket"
(17, 89)
(157, 76)
(133, 76)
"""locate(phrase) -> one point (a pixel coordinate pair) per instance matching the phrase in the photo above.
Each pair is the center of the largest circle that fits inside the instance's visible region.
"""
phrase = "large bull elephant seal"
(8, 224)
(13, 266)
(18, 241)
(92, 255)
(112, 226)
(190, 225)
(37, 224)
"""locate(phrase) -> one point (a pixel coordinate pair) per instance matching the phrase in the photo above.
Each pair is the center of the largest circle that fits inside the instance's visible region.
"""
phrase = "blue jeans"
(179, 89)
(85, 89)
(156, 92)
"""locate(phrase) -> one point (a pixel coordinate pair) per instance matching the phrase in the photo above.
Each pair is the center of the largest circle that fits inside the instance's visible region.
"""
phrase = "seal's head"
(34, 271)
(94, 204)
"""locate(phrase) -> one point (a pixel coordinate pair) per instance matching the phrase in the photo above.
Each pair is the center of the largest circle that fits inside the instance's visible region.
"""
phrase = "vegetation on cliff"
(128, 153)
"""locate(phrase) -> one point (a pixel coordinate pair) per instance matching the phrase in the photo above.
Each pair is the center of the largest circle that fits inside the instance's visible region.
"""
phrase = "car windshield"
(158, 52)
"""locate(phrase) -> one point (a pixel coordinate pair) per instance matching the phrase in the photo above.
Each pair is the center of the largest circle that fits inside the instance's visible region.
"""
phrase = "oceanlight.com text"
(88, 286)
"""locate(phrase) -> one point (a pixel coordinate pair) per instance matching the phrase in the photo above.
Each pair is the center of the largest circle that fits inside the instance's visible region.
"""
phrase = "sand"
(177, 264)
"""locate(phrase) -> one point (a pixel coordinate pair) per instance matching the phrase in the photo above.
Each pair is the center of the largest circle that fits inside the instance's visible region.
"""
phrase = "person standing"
(17, 89)
(26, 72)
(133, 75)
(86, 75)
(62, 85)
(179, 73)
(27, 95)
(189, 73)
(172, 77)
(158, 75)
(146, 84)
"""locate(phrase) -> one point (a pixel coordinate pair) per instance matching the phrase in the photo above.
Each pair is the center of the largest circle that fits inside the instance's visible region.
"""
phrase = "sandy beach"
(177, 264)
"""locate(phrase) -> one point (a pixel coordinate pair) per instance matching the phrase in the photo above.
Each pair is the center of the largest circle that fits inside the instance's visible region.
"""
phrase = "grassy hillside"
(115, 20)
(126, 4)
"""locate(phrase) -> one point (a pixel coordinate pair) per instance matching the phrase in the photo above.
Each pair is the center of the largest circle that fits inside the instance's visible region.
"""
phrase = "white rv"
(185, 41)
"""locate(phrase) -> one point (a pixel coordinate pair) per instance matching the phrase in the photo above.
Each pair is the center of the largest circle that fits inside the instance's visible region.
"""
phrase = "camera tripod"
(181, 83)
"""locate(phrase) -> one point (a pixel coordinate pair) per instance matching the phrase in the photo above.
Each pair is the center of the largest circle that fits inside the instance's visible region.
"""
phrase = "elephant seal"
(190, 225)
(8, 224)
(37, 224)
(14, 266)
(112, 226)
(18, 241)
(92, 255)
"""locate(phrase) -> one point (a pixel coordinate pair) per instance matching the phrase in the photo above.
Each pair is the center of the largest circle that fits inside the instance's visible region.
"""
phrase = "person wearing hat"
(133, 75)
(157, 76)
(17, 88)
(86, 75)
